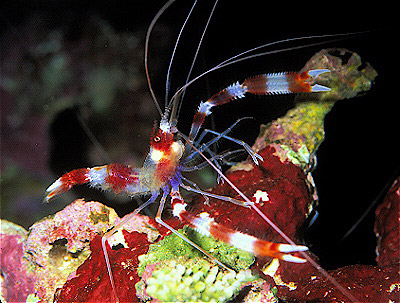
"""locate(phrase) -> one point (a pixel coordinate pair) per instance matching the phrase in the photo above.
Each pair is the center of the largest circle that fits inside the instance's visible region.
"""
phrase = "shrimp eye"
(156, 139)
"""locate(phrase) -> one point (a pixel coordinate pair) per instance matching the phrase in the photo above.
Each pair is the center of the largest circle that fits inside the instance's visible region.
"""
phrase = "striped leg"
(279, 83)
(175, 195)
(108, 234)
(207, 226)
(114, 177)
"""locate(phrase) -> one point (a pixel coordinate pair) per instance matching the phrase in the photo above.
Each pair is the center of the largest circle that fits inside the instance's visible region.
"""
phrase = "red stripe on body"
(266, 248)
(119, 176)
(297, 82)
(187, 217)
(221, 232)
(74, 177)
(256, 85)
(221, 98)
(198, 118)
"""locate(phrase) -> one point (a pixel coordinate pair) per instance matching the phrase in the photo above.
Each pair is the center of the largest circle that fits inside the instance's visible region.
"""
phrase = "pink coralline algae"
(17, 280)
(36, 264)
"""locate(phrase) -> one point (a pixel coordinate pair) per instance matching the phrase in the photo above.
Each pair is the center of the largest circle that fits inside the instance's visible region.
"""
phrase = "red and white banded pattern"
(264, 84)
(117, 177)
(206, 225)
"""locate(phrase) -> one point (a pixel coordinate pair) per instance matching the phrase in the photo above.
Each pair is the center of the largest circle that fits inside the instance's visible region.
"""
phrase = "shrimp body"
(169, 157)
(160, 166)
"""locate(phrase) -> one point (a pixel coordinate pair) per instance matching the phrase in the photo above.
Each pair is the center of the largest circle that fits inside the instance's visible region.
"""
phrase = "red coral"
(288, 203)
(288, 194)
(91, 282)
(366, 282)
(387, 227)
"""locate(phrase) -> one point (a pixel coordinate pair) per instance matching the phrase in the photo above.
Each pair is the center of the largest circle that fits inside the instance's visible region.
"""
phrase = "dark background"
(359, 156)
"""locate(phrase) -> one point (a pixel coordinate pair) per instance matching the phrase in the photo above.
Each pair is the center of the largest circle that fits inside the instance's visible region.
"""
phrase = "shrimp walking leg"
(207, 226)
(176, 196)
(108, 234)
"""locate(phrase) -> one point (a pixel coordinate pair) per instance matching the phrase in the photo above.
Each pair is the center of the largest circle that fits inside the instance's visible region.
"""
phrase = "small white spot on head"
(156, 155)
(177, 148)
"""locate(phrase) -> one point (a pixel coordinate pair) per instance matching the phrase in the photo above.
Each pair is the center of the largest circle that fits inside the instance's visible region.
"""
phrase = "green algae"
(297, 135)
(306, 120)
(179, 272)
(102, 216)
(188, 280)
(173, 247)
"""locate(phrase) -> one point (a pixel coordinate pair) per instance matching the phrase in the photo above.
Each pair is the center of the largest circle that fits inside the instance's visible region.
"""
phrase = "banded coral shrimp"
(218, 89)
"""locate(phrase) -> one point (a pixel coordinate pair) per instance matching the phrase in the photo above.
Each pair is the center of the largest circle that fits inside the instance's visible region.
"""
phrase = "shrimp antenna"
(146, 53)
(196, 55)
(238, 58)
(167, 82)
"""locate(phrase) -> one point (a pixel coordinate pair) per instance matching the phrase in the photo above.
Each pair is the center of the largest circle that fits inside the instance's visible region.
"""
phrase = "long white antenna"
(167, 82)
(238, 58)
(146, 53)
(196, 55)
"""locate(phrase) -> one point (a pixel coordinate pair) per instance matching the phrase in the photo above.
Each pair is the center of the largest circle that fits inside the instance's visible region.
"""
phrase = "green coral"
(184, 274)
(306, 120)
(195, 281)
(172, 247)
(298, 134)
